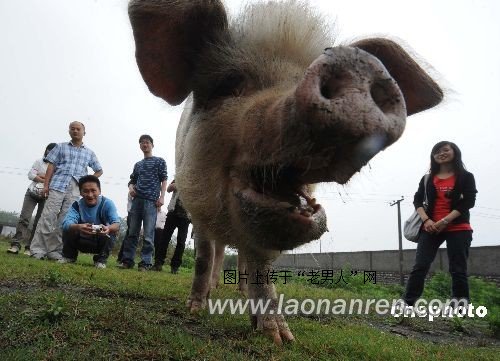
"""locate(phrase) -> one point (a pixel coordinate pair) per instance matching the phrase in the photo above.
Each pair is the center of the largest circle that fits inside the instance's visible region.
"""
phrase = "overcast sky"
(74, 60)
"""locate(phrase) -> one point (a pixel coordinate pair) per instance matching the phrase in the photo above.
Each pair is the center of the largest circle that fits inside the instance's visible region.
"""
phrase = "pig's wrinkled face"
(280, 132)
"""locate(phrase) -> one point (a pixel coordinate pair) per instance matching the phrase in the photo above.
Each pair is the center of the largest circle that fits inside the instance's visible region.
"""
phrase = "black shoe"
(125, 265)
(174, 270)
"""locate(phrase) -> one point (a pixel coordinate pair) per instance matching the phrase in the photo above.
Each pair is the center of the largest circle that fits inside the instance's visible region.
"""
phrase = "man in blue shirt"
(147, 186)
(91, 224)
(68, 162)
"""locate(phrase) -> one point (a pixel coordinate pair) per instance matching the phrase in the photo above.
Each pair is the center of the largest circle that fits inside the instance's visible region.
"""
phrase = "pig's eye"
(231, 85)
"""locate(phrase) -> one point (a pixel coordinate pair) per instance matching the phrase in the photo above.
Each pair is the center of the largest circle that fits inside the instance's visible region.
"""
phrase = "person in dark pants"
(91, 224)
(177, 217)
(451, 193)
(32, 198)
(147, 188)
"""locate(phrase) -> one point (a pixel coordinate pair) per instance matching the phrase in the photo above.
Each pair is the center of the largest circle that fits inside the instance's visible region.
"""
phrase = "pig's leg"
(242, 269)
(218, 262)
(270, 323)
(200, 290)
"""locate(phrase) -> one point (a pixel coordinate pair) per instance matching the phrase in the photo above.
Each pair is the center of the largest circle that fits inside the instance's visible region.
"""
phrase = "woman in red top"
(451, 192)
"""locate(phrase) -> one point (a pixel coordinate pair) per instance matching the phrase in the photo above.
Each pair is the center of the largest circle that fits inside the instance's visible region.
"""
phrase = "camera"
(96, 228)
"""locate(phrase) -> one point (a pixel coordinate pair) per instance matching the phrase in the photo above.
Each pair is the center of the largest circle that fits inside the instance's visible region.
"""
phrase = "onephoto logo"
(397, 308)
(437, 308)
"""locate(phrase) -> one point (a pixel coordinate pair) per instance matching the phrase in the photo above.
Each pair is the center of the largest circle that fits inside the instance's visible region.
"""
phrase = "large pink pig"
(273, 107)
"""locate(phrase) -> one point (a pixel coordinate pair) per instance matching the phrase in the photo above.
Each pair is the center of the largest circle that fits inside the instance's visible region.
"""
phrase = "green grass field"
(50, 311)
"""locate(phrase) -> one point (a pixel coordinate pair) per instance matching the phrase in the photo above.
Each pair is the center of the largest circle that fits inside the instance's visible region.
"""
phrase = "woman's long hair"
(458, 165)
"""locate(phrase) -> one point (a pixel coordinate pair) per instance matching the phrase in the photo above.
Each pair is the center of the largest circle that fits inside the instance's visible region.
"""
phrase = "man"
(177, 217)
(68, 162)
(91, 224)
(147, 187)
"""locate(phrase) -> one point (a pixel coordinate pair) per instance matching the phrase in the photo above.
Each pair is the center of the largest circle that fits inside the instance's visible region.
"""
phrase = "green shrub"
(52, 278)
(188, 258)
(493, 318)
(482, 293)
(53, 311)
(230, 261)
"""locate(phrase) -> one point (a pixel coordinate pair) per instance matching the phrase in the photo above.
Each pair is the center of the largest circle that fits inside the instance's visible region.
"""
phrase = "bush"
(188, 257)
(52, 278)
(482, 293)
(494, 320)
(439, 286)
(53, 311)
(230, 261)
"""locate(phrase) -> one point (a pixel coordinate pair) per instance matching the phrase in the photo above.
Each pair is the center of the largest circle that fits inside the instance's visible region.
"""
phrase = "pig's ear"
(420, 91)
(169, 37)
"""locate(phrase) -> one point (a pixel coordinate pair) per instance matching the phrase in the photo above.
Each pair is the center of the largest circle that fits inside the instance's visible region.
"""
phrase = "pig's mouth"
(276, 198)
(279, 187)
(276, 203)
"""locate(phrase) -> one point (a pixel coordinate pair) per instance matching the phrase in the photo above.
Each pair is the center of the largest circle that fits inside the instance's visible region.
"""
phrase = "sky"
(73, 60)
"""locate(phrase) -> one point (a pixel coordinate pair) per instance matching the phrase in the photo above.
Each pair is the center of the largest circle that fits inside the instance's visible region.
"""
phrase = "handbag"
(413, 224)
(35, 190)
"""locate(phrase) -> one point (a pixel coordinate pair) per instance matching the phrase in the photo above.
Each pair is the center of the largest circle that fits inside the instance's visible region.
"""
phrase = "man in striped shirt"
(147, 186)
(68, 162)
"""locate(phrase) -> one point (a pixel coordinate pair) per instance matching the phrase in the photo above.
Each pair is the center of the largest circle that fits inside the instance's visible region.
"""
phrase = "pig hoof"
(273, 326)
(195, 305)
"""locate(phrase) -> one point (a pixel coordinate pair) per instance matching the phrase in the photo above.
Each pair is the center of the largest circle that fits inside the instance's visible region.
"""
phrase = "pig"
(272, 107)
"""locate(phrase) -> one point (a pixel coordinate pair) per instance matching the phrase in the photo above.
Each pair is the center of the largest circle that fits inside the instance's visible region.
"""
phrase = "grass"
(50, 311)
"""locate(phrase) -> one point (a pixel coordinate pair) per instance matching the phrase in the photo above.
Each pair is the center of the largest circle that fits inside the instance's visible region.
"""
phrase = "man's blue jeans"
(142, 211)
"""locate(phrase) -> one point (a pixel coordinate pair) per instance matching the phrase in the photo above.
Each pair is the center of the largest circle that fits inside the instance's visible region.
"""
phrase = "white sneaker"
(66, 260)
(100, 265)
(13, 249)
(27, 252)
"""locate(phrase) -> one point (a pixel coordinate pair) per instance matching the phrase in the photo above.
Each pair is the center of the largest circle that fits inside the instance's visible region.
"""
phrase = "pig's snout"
(348, 96)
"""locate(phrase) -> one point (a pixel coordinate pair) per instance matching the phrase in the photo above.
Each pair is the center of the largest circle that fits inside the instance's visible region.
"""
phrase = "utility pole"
(401, 277)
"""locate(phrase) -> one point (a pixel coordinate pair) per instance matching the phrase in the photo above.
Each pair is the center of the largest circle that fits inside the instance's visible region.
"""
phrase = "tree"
(8, 217)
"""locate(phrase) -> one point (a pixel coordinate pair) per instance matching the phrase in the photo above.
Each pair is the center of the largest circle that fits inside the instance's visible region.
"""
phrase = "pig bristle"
(283, 29)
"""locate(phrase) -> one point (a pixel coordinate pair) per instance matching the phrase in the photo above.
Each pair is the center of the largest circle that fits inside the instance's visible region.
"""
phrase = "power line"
(348, 198)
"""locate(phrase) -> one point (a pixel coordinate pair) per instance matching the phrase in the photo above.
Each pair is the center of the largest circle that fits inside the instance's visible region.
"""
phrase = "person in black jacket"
(177, 217)
(451, 193)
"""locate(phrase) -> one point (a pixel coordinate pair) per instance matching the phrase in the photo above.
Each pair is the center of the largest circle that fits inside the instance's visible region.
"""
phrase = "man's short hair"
(89, 179)
(76, 121)
(146, 137)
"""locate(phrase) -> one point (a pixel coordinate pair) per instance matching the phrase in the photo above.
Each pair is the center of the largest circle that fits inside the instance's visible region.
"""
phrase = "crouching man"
(91, 224)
